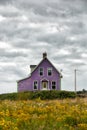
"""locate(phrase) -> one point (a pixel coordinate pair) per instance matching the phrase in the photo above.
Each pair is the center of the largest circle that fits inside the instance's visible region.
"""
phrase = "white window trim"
(47, 71)
(33, 84)
(43, 71)
(56, 84)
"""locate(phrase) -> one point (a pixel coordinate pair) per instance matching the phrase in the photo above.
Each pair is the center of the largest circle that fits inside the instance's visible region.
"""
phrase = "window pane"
(41, 71)
(35, 84)
(53, 85)
(49, 71)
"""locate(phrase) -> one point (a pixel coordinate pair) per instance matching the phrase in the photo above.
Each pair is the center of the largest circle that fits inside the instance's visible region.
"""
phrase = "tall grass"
(65, 114)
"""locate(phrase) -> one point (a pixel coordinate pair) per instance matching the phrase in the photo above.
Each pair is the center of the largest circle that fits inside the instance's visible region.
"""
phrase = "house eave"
(23, 79)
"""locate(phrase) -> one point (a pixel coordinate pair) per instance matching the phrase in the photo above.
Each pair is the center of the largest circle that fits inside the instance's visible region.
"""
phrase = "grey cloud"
(5, 1)
(60, 9)
(78, 65)
(13, 70)
(78, 28)
(56, 39)
(10, 14)
(11, 54)
(36, 26)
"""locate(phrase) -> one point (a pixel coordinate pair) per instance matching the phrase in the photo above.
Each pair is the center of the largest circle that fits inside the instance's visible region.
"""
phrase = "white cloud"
(84, 55)
(5, 45)
(2, 18)
(75, 60)
(62, 52)
(2, 64)
(28, 28)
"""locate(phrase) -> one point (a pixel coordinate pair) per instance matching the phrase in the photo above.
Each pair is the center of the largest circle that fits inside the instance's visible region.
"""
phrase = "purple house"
(43, 76)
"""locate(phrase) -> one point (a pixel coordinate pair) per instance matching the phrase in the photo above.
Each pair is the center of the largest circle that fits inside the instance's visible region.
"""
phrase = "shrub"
(53, 94)
(10, 96)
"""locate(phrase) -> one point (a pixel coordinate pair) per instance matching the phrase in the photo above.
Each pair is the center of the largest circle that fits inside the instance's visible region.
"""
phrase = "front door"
(44, 85)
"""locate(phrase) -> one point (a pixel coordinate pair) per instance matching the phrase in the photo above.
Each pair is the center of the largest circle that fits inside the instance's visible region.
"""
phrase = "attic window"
(53, 85)
(35, 85)
(41, 71)
(49, 71)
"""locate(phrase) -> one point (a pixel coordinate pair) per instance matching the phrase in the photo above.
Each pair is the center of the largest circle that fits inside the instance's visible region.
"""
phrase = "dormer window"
(41, 71)
(49, 71)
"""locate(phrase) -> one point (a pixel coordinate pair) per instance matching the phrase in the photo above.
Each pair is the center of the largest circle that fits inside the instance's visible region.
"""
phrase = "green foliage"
(82, 93)
(70, 120)
(53, 94)
(10, 96)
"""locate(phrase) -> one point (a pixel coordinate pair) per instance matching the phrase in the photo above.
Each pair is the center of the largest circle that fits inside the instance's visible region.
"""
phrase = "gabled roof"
(49, 62)
(36, 66)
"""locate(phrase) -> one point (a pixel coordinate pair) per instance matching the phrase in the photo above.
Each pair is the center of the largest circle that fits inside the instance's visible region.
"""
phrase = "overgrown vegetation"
(53, 94)
(82, 93)
(26, 111)
(66, 114)
(38, 94)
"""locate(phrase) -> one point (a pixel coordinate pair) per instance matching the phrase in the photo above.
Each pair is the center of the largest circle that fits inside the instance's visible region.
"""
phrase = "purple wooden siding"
(24, 85)
(27, 84)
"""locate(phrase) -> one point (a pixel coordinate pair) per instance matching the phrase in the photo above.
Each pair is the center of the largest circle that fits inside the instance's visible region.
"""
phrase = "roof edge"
(50, 63)
(23, 79)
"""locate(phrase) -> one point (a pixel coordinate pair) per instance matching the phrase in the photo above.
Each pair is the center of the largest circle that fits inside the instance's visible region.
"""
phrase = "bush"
(53, 94)
(11, 96)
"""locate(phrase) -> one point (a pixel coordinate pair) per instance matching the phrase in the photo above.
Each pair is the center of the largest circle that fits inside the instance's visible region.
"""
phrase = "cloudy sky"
(30, 27)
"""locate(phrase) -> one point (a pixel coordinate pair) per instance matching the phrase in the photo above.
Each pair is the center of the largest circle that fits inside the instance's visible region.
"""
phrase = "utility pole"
(75, 80)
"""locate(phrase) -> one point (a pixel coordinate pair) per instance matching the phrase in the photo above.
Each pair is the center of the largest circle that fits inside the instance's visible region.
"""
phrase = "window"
(49, 71)
(53, 85)
(35, 85)
(41, 71)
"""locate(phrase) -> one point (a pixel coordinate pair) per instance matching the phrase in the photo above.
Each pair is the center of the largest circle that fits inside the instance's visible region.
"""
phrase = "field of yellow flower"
(67, 114)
